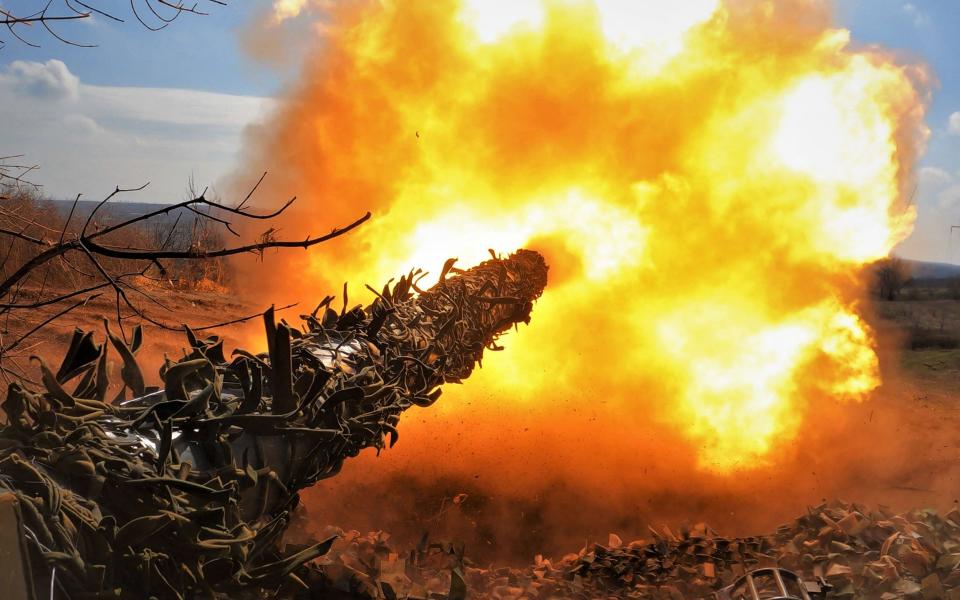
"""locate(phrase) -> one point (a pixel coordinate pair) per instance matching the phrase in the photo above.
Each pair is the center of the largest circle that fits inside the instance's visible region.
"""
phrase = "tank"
(186, 490)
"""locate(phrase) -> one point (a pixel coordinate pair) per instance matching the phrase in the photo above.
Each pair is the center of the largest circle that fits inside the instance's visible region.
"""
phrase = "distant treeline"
(35, 217)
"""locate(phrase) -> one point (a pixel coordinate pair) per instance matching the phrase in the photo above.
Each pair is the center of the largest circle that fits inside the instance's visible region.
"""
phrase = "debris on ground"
(860, 553)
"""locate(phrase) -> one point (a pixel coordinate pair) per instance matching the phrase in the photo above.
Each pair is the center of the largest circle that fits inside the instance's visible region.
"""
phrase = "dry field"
(920, 333)
(196, 308)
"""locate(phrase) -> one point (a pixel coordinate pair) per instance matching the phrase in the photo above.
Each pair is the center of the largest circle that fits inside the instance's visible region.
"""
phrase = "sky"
(143, 106)
(167, 106)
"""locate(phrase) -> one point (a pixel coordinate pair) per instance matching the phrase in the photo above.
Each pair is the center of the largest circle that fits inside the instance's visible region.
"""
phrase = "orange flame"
(706, 179)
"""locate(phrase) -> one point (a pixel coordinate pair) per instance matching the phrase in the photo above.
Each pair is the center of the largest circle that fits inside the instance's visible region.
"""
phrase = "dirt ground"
(197, 308)
(920, 354)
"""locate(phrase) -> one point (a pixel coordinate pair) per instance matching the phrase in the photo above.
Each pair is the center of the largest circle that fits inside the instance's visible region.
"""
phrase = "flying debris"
(186, 490)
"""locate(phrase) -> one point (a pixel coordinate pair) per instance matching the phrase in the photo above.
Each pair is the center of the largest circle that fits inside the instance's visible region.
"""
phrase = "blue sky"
(142, 106)
(194, 52)
(97, 120)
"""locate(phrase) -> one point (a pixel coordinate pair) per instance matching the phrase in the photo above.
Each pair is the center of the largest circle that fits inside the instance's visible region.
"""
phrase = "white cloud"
(949, 199)
(934, 177)
(938, 199)
(89, 139)
(51, 79)
(174, 106)
(939, 187)
(919, 18)
(953, 125)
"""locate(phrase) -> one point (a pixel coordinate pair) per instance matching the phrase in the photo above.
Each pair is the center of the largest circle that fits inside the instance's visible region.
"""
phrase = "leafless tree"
(114, 258)
(892, 274)
(14, 176)
(197, 231)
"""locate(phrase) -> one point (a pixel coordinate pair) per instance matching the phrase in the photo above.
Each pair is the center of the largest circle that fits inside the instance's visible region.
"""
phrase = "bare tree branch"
(29, 13)
(99, 255)
(86, 243)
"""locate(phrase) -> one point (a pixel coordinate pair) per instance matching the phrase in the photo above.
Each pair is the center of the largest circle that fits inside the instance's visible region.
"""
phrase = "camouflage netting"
(185, 491)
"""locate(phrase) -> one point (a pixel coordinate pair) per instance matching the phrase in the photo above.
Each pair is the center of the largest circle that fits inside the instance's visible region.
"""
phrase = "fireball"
(706, 178)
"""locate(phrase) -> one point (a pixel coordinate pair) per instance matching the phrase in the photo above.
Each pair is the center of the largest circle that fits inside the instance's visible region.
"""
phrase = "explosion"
(707, 180)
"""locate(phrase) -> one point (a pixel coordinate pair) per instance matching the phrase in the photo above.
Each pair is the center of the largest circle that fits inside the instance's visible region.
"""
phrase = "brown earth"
(196, 308)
